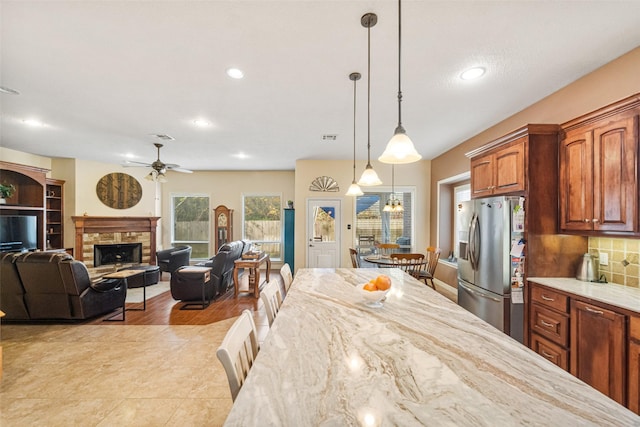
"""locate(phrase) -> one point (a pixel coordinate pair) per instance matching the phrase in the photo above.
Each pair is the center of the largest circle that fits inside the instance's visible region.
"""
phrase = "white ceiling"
(104, 75)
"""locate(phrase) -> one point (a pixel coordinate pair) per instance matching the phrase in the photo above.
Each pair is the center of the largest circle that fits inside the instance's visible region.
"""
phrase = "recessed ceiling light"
(472, 73)
(130, 156)
(8, 90)
(202, 123)
(241, 155)
(34, 123)
(235, 73)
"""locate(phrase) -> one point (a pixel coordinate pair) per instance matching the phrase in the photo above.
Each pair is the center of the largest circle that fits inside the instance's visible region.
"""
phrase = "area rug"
(135, 294)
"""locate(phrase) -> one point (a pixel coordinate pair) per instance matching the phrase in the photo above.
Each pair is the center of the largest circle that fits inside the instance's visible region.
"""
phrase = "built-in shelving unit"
(55, 213)
(38, 196)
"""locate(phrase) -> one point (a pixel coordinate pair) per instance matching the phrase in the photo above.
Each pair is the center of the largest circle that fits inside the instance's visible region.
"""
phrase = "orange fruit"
(383, 282)
(370, 287)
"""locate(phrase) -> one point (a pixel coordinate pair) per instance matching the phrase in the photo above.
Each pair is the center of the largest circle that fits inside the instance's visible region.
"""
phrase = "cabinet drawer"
(549, 298)
(550, 351)
(552, 325)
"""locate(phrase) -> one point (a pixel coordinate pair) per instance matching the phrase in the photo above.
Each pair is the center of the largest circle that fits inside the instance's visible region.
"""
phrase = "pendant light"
(369, 176)
(354, 188)
(393, 204)
(399, 149)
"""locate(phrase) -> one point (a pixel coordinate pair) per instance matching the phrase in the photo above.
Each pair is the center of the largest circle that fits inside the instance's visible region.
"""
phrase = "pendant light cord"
(354, 130)
(399, 70)
(369, 96)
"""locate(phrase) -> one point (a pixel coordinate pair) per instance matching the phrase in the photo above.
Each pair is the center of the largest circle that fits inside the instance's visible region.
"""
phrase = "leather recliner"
(58, 287)
(11, 289)
(171, 259)
(223, 262)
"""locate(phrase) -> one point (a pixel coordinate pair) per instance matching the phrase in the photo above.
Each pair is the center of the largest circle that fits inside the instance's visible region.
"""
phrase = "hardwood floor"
(164, 310)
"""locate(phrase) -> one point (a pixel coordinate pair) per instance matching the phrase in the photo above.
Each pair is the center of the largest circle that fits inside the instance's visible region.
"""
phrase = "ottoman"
(151, 276)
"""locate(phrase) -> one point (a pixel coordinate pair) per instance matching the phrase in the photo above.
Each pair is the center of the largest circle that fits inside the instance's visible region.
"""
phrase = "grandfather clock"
(223, 220)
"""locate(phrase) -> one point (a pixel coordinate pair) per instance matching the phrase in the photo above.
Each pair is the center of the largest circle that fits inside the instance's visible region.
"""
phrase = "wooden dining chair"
(411, 263)
(386, 248)
(355, 260)
(238, 350)
(272, 299)
(287, 276)
(426, 275)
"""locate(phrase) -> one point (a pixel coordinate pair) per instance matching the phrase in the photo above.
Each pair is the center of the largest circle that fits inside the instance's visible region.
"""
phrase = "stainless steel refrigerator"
(485, 264)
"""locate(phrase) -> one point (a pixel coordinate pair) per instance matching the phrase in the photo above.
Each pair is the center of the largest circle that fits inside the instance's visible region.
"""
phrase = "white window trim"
(172, 240)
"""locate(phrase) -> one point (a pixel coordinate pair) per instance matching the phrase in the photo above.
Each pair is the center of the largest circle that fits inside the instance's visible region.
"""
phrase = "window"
(461, 193)
(385, 227)
(190, 214)
(262, 223)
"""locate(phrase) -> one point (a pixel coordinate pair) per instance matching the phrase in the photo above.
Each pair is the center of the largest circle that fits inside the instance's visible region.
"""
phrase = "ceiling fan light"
(150, 177)
(162, 178)
(400, 149)
(369, 177)
(354, 190)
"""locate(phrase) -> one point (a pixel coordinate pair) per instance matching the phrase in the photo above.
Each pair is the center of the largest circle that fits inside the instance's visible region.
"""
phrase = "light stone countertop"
(610, 293)
(419, 360)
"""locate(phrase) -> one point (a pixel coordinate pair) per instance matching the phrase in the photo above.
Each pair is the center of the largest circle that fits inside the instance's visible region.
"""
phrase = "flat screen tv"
(18, 233)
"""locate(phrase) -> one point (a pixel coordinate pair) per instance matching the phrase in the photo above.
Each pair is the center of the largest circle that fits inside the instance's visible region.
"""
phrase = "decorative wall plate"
(119, 190)
(324, 183)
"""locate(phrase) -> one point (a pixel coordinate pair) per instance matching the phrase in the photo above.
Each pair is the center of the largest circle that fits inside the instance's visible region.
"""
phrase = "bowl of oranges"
(375, 290)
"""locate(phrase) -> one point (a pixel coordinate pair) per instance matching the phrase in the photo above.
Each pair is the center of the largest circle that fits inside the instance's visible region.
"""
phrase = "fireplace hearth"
(129, 253)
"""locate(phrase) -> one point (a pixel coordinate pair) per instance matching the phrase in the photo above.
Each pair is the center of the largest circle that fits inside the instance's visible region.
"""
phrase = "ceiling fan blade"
(131, 163)
(179, 169)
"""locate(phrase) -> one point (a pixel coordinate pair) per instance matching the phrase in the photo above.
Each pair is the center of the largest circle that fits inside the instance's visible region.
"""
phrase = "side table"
(254, 272)
(125, 275)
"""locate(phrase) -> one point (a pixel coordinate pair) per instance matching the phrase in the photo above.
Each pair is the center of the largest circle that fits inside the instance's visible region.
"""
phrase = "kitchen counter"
(418, 360)
(609, 293)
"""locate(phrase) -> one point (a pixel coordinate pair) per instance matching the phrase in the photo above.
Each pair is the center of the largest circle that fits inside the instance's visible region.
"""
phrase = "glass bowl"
(372, 298)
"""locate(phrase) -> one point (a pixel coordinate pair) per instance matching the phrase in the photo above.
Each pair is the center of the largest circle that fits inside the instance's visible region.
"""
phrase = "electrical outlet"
(604, 258)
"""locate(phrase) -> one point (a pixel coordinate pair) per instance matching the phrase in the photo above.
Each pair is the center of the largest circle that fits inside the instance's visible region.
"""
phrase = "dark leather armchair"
(171, 259)
(223, 263)
(11, 289)
(58, 287)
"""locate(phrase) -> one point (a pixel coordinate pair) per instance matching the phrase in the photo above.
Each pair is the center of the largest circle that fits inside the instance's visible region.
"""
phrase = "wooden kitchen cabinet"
(633, 367)
(499, 172)
(598, 170)
(598, 341)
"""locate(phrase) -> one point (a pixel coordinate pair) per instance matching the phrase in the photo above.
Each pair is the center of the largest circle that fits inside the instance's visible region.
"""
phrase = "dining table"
(330, 359)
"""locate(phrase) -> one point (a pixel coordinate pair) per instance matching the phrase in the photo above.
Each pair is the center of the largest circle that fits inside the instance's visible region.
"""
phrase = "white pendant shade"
(400, 150)
(354, 190)
(369, 178)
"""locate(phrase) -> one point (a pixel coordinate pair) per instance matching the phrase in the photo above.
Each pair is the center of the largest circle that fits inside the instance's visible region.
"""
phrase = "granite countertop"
(419, 360)
(621, 296)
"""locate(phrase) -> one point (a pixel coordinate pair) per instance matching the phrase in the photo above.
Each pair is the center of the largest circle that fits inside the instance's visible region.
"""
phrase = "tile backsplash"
(623, 266)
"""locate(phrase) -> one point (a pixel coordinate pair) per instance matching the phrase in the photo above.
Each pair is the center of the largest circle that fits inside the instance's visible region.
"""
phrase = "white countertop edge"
(624, 297)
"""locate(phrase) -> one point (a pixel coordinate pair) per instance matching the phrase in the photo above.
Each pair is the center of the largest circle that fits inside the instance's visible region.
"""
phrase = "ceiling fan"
(159, 167)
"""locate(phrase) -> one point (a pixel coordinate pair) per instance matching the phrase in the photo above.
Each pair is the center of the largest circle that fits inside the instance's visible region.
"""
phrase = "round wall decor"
(119, 190)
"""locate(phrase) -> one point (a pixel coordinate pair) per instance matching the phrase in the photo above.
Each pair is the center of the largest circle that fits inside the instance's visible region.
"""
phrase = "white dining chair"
(287, 276)
(238, 351)
(271, 298)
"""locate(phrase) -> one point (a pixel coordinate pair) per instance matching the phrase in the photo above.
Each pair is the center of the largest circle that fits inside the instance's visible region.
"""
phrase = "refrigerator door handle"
(473, 238)
(478, 294)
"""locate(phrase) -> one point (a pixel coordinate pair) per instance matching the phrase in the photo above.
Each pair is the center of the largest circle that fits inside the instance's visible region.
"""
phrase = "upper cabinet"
(509, 165)
(500, 171)
(598, 170)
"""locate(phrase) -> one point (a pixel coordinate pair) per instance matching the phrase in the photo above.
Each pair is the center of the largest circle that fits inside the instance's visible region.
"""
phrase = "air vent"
(329, 137)
(163, 136)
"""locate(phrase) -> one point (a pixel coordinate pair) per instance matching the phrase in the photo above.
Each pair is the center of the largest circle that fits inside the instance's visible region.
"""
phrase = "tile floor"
(118, 375)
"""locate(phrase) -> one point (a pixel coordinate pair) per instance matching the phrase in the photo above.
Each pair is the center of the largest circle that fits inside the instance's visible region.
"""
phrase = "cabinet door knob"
(547, 355)
(587, 220)
(591, 310)
(546, 324)
(595, 220)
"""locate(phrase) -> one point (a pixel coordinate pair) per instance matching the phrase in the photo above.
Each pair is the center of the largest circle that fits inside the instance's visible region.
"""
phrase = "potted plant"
(289, 204)
(6, 191)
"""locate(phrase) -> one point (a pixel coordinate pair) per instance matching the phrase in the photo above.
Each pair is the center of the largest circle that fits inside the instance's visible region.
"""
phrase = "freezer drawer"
(494, 309)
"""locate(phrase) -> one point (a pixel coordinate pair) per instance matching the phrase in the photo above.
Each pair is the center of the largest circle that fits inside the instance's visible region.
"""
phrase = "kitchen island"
(418, 360)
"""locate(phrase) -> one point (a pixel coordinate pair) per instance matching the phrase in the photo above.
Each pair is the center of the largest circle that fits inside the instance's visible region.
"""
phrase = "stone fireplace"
(103, 230)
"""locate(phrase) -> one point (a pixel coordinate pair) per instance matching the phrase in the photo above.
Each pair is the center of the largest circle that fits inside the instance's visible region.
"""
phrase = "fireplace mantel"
(114, 224)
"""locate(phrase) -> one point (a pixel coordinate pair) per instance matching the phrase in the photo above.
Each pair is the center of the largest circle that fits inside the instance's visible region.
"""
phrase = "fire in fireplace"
(120, 253)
